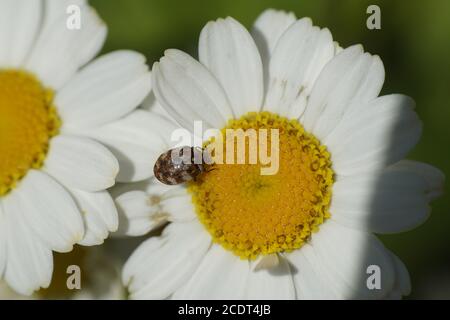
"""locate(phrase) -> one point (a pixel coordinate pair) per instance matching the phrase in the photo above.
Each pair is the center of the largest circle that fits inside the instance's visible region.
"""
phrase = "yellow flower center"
(252, 214)
(27, 122)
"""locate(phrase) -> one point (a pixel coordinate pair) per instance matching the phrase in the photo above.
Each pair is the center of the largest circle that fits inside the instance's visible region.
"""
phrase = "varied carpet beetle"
(178, 165)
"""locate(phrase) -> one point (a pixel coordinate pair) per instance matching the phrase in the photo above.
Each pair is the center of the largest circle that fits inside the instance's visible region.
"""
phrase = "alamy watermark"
(235, 146)
(373, 281)
(74, 13)
(73, 21)
(374, 20)
(73, 281)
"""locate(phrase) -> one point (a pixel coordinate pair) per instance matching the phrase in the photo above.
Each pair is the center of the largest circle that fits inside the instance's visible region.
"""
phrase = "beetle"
(179, 165)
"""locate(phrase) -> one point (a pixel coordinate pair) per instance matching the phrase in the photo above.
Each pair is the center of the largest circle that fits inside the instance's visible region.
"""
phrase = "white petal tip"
(267, 262)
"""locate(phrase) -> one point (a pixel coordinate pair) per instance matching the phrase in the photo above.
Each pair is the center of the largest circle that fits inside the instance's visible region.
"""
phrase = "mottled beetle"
(179, 165)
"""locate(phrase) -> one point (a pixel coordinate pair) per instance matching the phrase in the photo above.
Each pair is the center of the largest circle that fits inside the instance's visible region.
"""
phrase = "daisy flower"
(56, 110)
(306, 232)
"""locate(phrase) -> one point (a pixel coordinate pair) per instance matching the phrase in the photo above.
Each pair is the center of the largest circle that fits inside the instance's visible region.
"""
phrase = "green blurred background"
(414, 44)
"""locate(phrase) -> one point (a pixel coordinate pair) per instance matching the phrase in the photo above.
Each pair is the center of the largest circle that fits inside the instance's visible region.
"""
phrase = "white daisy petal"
(146, 206)
(345, 254)
(168, 267)
(55, 8)
(151, 104)
(137, 141)
(351, 75)
(337, 48)
(228, 50)
(179, 207)
(105, 90)
(402, 285)
(381, 133)
(220, 276)
(49, 211)
(99, 214)
(136, 214)
(299, 57)
(268, 28)
(81, 163)
(19, 25)
(391, 202)
(59, 51)
(29, 264)
(273, 284)
(433, 177)
(311, 281)
(155, 187)
(175, 201)
(134, 265)
(189, 91)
